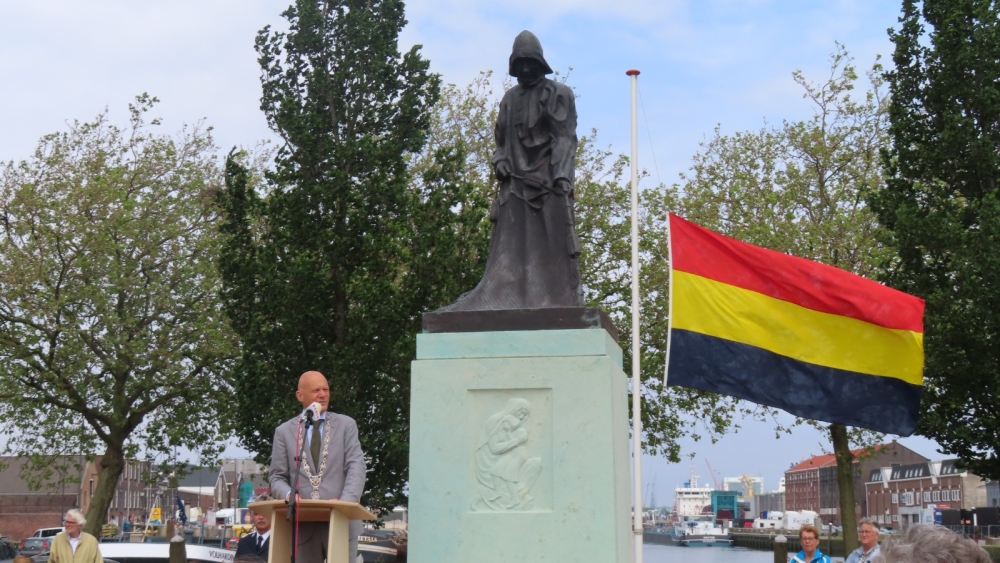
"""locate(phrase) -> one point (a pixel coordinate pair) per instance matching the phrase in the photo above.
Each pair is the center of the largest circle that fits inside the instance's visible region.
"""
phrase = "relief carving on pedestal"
(504, 471)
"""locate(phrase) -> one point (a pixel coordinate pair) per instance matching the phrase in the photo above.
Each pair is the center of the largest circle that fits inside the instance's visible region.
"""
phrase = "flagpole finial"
(632, 72)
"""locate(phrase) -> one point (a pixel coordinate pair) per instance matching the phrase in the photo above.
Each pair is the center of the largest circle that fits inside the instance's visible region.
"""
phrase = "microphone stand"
(293, 498)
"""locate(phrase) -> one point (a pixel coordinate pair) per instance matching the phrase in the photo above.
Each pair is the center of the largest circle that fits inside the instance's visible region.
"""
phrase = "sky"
(703, 63)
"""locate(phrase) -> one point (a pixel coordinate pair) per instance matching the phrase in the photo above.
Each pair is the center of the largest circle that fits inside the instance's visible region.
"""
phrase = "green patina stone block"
(519, 448)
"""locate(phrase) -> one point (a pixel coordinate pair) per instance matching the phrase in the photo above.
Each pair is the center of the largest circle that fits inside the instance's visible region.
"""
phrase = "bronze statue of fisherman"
(534, 252)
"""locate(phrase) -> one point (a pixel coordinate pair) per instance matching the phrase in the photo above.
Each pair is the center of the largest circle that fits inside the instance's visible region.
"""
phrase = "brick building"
(25, 508)
(70, 484)
(130, 497)
(812, 484)
(896, 495)
(73, 480)
(802, 483)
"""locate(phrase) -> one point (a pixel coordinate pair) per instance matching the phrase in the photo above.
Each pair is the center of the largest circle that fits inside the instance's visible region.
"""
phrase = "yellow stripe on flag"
(717, 309)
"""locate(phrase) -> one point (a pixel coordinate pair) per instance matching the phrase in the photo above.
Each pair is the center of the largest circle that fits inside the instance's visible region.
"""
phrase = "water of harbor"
(656, 553)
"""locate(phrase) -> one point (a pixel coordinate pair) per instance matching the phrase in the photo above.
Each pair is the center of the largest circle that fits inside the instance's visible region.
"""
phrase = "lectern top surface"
(316, 510)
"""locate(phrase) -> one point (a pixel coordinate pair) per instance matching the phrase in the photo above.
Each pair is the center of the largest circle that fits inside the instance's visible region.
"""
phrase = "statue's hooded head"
(527, 46)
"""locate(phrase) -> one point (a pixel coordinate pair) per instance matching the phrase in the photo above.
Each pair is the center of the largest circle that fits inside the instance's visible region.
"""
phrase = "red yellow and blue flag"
(775, 329)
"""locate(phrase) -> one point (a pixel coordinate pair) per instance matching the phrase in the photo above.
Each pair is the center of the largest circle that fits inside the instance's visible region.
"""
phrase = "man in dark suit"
(258, 542)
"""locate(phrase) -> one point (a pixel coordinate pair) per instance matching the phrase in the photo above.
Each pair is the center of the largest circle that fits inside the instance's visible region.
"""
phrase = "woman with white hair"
(73, 545)
(932, 544)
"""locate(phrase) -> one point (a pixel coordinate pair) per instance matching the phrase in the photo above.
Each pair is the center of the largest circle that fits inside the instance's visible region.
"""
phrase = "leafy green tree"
(111, 330)
(329, 261)
(941, 209)
(799, 188)
(465, 117)
(604, 228)
(461, 125)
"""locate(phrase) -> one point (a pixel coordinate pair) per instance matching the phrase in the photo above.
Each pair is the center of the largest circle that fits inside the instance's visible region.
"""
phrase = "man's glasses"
(69, 521)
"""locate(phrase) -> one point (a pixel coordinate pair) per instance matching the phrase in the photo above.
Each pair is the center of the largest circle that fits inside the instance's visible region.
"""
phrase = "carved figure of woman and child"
(504, 471)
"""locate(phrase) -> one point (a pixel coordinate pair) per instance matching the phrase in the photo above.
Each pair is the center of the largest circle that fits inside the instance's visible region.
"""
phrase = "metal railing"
(976, 532)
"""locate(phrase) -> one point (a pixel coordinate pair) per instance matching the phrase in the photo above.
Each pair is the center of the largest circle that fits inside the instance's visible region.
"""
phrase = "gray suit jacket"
(345, 467)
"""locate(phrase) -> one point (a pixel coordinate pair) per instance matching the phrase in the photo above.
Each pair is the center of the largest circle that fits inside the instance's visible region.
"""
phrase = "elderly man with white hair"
(74, 545)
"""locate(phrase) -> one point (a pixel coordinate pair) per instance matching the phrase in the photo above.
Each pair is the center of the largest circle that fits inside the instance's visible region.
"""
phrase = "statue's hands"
(521, 435)
(564, 186)
(503, 170)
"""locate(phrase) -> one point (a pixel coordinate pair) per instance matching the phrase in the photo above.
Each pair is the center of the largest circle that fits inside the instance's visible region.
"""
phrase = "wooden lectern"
(336, 512)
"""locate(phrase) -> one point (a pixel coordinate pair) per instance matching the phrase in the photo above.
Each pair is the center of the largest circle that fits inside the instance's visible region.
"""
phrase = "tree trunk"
(112, 465)
(845, 482)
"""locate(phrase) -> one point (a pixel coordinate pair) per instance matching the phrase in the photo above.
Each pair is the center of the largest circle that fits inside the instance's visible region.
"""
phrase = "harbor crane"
(712, 473)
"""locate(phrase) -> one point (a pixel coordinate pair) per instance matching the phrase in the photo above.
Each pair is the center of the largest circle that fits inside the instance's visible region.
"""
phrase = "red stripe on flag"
(697, 250)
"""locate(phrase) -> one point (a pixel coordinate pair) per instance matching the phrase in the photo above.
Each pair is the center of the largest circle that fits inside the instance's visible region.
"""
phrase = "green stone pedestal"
(519, 448)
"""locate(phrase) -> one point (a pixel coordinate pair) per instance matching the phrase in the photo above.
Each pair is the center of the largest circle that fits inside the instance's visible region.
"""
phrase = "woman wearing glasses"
(809, 538)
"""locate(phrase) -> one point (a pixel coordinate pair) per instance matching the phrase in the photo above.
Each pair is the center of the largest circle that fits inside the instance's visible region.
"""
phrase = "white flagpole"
(636, 384)
(670, 298)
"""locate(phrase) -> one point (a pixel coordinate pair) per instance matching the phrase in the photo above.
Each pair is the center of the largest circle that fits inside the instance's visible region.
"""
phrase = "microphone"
(312, 412)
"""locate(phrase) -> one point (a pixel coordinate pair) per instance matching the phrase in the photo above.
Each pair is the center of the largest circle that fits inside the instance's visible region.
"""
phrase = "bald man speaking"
(333, 467)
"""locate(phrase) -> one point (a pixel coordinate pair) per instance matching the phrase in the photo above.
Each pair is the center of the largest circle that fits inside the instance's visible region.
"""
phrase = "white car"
(46, 532)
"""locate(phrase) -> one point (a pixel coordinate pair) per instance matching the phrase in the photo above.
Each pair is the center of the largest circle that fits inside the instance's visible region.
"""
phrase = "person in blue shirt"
(868, 534)
(809, 538)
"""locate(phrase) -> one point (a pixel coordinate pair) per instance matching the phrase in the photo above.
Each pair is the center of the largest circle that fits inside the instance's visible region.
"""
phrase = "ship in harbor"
(704, 533)
(691, 501)
(693, 519)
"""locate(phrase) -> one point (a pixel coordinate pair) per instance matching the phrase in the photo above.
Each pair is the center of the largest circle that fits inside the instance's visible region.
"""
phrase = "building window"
(927, 496)
(895, 498)
(954, 495)
(936, 495)
(895, 518)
